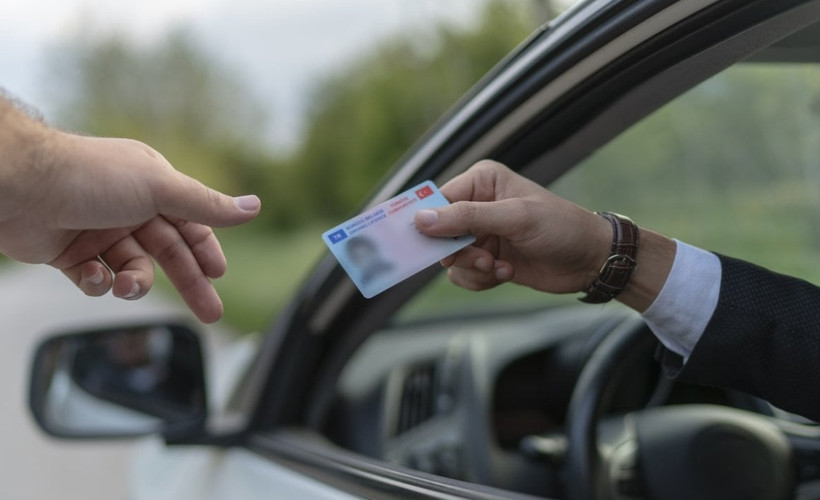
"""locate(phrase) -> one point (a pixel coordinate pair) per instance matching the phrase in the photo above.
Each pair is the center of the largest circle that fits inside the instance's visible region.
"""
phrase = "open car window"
(454, 387)
(732, 166)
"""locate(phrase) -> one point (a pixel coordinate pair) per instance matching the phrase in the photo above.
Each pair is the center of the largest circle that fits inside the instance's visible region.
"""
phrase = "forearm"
(762, 339)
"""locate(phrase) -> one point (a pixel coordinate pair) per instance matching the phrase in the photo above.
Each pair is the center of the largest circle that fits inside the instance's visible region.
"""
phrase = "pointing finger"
(183, 197)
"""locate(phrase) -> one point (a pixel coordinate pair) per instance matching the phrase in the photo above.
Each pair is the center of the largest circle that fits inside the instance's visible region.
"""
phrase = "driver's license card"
(382, 246)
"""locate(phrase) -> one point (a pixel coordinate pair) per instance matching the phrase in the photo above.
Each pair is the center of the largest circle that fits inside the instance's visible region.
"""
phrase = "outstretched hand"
(102, 210)
(528, 235)
(524, 233)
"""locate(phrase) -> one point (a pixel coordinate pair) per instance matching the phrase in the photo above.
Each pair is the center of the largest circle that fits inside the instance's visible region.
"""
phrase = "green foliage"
(170, 92)
(263, 270)
(730, 166)
(364, 118)
(360, 120)
(174, 97)
(742, 130)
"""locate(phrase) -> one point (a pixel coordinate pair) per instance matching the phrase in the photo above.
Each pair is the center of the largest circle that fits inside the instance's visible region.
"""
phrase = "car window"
(732, 166)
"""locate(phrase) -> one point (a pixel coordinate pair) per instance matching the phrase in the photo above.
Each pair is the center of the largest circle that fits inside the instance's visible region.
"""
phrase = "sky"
(278, 46)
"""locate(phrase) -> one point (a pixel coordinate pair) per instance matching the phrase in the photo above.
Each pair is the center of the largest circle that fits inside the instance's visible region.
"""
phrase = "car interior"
(479, 386)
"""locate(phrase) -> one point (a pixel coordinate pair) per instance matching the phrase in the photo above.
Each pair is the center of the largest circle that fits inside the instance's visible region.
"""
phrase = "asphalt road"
(36, 301)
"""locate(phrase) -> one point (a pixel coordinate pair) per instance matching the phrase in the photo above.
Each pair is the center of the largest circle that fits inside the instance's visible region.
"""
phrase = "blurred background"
(306, 103)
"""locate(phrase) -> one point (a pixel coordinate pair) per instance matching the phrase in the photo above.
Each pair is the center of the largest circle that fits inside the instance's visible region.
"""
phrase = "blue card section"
(382, 246)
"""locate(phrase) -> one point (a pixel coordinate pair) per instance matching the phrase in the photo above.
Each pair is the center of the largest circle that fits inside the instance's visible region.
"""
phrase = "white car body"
(36, 301)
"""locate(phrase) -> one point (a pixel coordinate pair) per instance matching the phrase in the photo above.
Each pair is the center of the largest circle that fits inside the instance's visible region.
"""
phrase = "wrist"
(22, 141)
(19, 133)
(617, 270)
(653, 263)
(599, 245)
(655, 258)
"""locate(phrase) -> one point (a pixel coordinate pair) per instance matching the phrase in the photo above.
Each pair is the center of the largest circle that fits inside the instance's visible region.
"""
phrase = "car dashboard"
(458, 397)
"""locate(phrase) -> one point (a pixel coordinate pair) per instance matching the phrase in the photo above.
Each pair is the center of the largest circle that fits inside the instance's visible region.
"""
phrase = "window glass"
(730, 166)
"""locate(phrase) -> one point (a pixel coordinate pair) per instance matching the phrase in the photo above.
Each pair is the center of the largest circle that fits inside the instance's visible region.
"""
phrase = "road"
(36, 301)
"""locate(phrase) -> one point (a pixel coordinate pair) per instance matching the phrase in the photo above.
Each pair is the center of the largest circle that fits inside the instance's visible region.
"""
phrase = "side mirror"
(119, 382)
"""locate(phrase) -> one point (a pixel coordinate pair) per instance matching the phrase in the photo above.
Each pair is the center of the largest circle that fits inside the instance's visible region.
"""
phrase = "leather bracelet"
(616, 271)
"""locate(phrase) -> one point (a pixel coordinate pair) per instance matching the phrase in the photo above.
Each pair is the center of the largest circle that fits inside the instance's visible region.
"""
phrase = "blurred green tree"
(363, 118)
(711, 140)
(173, 96)
(360, 120)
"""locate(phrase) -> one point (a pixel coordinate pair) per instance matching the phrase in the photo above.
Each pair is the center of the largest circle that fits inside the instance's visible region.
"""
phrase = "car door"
(567, 91)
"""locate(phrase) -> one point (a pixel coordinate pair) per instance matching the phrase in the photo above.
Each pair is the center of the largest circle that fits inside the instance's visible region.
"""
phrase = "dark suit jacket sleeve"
(764, 339)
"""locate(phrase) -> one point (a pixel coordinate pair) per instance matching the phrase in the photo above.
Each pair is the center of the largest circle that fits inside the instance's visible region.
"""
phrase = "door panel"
(207, 473)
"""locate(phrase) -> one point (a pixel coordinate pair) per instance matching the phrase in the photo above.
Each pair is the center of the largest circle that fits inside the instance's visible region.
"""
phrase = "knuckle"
(203, 240)
(488, 166)
(147, 150)
(143, 265)
(213, 198)
(465, 280)
(173, 251)
(464, 211)
(179, 223)
(491, 170)
(521, 211)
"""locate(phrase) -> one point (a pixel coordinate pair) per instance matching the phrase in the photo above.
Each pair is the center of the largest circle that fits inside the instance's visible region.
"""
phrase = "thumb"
(191, 200)
(466, 217)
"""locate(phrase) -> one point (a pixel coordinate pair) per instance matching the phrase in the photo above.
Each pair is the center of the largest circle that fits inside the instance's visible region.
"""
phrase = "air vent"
(418, 397)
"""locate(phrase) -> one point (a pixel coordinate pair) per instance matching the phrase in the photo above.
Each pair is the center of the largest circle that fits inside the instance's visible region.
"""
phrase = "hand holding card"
(382, 247)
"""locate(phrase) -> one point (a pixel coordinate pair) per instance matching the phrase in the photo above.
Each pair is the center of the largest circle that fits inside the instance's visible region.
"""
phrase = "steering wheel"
(668, 453)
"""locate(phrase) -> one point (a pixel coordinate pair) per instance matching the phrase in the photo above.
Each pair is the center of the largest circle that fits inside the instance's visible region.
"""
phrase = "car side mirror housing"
(120, 382)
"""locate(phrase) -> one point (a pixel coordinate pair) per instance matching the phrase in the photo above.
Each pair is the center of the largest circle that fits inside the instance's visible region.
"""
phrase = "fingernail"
(482, 264)
(426, 217)
(502, 274)
(135, 290)
(248, 203)
(96, 278)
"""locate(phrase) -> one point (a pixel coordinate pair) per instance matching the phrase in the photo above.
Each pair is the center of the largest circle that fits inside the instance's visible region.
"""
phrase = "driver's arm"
(723, 322)
(529, 236)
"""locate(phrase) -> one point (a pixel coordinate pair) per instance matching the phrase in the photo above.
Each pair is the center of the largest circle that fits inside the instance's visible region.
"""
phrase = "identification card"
(382, 247)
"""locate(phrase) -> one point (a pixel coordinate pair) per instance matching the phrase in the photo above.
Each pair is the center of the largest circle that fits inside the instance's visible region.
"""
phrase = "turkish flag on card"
(424, 192)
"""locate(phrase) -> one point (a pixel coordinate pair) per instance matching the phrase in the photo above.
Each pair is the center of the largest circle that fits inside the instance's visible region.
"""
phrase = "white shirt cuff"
(680, 313)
